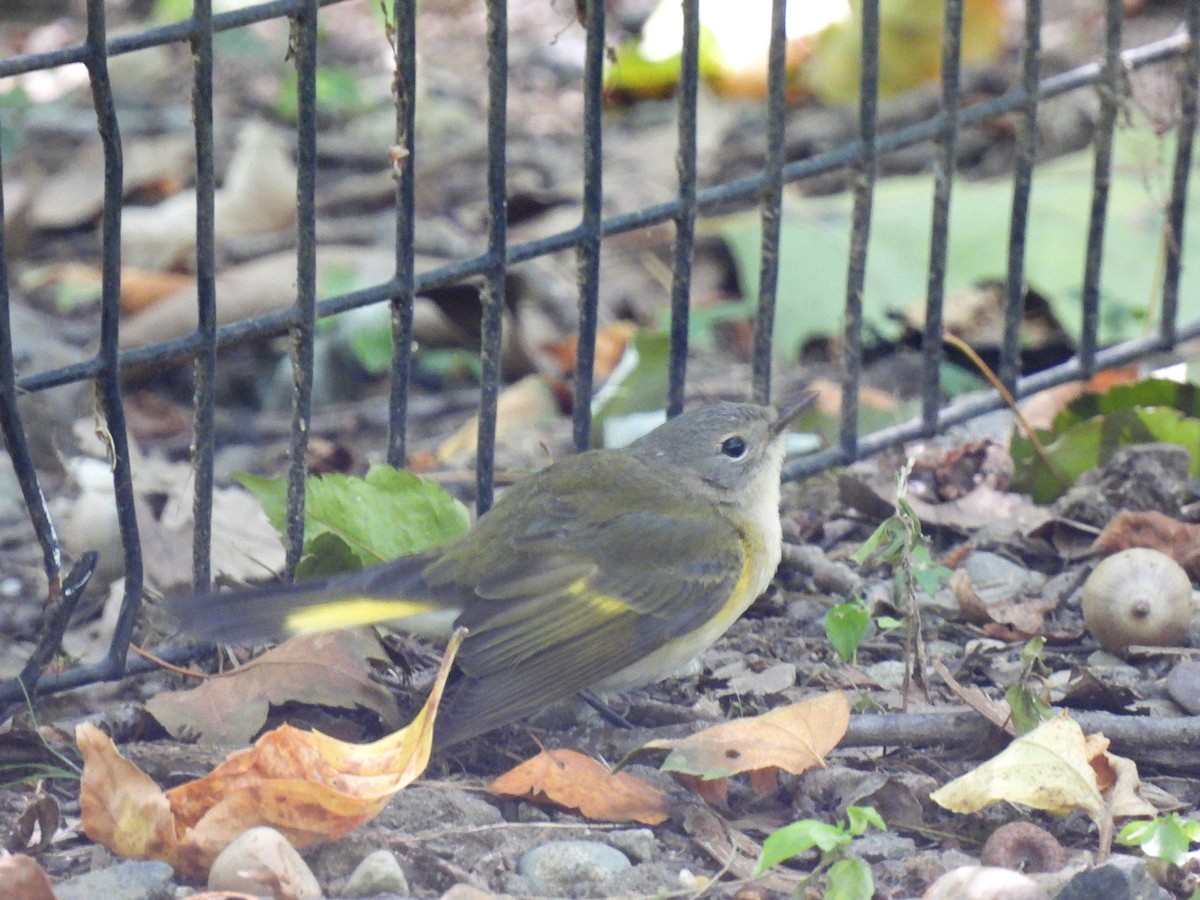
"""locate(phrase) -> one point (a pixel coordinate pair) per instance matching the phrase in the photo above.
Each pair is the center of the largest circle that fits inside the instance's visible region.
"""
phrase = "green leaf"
(272, 497)
(887, 623)
(846, 626)
(166, 11)
(849, 879)
(1092, 428)
(792, 840)
(862, 817)
(1028, 710)
(1032, 651)
(884, 544)
(339, 93)
(637, 385)
(327, 554)
(815, 243)
(930, 576)
(387, 514)
(1167, 837)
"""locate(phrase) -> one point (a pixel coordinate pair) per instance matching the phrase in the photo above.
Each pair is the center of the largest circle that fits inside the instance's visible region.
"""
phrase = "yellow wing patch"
(351, 611)
(603, 603)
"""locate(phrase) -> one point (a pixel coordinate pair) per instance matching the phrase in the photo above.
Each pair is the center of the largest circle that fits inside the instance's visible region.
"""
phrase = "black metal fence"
(764, 188)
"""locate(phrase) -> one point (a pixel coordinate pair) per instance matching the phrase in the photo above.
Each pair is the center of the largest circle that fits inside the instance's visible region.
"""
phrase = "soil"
(446, 830)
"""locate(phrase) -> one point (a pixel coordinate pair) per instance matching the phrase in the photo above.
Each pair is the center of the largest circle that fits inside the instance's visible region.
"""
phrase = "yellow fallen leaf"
(306, 785)
(910, 47)
(792, 738)
(1047, 769)
(573, 781)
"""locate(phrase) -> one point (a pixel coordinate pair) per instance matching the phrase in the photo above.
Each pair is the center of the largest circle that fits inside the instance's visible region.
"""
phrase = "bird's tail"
(394, 592)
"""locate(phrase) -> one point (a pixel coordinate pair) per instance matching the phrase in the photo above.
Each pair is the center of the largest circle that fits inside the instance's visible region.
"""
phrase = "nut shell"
(1138, 597)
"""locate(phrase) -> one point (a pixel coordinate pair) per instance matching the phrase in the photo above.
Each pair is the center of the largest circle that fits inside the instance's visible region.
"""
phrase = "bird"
(607, 570)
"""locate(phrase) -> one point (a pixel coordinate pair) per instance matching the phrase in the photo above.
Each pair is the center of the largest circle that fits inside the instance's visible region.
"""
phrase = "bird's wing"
(651, 579)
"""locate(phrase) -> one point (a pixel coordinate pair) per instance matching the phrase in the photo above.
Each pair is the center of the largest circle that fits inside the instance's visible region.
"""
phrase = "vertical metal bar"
(205, 367)
(15, 439)
(304, 42)
(493, 292)
(1186, 136)
(404, 19)
(935, 291)
(772, 205)
(860, 227)
(588, 267)
(1018, 224)
(685, 221)
(1112, 91)
(108, 386)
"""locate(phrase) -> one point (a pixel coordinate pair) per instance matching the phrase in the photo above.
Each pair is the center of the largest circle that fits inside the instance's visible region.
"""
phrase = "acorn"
(1138, 597)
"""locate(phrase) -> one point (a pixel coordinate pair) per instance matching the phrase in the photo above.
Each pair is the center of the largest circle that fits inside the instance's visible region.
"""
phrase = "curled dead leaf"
(329, 669)
(306, 785)
(572, 780)
(1046, 769)
(793, 738)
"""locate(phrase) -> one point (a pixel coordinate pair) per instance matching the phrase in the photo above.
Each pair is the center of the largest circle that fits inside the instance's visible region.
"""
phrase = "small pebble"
(261, 861)
(984, 883)
(571, 868)
(1183, 685)
(378, 873)
(125, 881)
(1121, 878)
(24, 878)
(639, 844)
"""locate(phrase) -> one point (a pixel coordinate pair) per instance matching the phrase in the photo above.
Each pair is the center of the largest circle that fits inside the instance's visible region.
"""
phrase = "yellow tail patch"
(351, 611)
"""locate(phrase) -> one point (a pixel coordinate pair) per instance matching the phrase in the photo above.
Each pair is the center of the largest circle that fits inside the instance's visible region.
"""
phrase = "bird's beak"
(789, 413)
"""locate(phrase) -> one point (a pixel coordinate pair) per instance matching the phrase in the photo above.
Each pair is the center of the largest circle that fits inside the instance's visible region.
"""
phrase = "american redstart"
(609, 570)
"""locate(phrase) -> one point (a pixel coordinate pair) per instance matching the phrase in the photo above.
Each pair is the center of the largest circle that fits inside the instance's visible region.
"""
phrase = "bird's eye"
(734, 447)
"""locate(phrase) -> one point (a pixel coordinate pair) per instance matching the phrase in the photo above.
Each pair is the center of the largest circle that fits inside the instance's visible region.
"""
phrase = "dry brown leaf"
(713, 791)
(309, 787)
(792, 738)
(829, 397)
(258, 197)
(1155, 531)
(1022, 614)
(532, 400)
(142, 288)
(1119, 781)
(328, 669)
(733, 850)
(611, 341)
(74, 195)
(244, 545)
(1041, 408)
(997, 712)
(572, 780)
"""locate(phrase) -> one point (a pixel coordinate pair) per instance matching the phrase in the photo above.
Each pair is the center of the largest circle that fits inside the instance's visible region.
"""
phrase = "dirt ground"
(448, 833)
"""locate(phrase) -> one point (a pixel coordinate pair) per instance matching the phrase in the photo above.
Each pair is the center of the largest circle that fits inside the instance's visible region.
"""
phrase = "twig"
(1130, 735)
(170, 667)
(1030, 432)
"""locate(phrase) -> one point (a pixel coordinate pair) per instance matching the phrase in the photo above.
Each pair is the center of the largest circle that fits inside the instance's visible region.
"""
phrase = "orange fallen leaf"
(306, 785)
(142, 288)
(713, 791)
(532, 400)
(572, 780)
(792, 738)
(611, 341)
(1154, 531)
